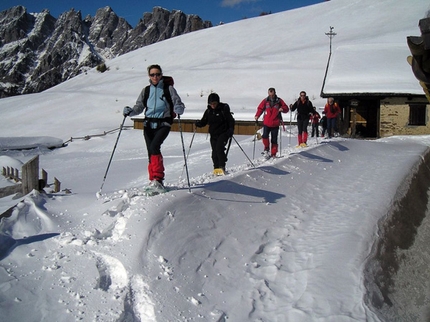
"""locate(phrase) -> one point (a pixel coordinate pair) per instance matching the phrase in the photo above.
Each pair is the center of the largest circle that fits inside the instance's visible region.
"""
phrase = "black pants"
(218, 150)
(302, 125)
(315, 128)
(154, 138)
(273, 131)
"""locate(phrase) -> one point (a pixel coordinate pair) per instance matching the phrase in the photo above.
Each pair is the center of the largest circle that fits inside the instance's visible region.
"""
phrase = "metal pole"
(280, 134)
(183, 149)
(255, 138)
(280, 141)
(228, 147)
(189, 149)
(331, 34)
(243, 151)
(291, 132)
(110, 160)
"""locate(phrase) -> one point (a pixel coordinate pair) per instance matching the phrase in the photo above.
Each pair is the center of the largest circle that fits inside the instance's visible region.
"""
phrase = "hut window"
(417, 114)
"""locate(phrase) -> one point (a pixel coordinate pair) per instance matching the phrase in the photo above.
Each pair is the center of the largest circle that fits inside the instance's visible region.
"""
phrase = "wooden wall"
(241, 127)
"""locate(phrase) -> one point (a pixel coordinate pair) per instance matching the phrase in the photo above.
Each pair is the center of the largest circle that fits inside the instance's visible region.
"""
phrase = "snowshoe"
(266, 154)
(219, 171)
(154, 188)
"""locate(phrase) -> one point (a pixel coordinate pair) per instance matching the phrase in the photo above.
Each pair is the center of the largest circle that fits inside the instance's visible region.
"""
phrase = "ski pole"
(228, 147)
(189, 149)
(191, 143)
(255, 138)
(291, 132)
(280, 142)
(282, 122)
(183, 150)
(315, 126)
(280, 134)
(243, 151)
(110, 160)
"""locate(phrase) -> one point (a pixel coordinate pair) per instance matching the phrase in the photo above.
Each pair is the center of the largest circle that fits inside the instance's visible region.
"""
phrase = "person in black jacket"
(304, 109)
(221, 129)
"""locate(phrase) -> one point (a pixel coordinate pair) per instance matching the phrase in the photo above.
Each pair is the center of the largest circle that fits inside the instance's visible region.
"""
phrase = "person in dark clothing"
(315, 121)
(304, 109)
(221, 129)
(324, 125)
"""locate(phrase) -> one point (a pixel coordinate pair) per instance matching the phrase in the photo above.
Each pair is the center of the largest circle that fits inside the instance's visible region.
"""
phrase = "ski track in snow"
(274, 264)
(272, 273)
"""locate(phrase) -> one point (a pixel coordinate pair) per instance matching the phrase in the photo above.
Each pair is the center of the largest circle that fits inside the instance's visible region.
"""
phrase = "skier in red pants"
(161, 104)
(304, 109)
(272, 107)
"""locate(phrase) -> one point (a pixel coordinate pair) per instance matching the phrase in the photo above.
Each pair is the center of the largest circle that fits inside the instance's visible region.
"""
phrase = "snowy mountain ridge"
(39, 51)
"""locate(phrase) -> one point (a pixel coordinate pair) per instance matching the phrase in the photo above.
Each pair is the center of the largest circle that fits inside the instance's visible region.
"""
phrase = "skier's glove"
(230, 132)
(127, 111)
(178, 109)
(198, 124)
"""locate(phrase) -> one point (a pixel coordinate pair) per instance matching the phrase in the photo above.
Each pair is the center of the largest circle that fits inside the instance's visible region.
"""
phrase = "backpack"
(226, 106)
(167, 81)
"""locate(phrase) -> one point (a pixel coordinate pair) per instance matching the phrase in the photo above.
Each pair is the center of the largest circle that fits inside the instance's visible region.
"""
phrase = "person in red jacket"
(331, 110)
(272, 107)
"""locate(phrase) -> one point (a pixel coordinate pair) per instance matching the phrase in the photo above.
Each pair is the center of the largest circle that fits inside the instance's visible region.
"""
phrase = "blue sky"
(132, 10)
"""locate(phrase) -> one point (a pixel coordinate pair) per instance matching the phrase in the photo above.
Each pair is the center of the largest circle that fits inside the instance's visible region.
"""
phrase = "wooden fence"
(240, 128)
(29, 179)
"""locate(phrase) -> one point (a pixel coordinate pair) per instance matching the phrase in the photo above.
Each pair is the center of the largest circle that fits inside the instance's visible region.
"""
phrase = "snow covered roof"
(371, 69)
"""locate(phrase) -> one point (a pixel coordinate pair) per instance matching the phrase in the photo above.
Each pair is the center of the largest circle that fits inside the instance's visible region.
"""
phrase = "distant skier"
(331, 110)
(161, 104)
(272, 107)
(323, 123)
(304, 109)
(315, 121)
(221, 129)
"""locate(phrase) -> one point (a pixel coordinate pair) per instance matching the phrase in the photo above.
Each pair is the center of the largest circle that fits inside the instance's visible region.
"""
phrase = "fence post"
(30, 175)
(44, 178)
(57, 185)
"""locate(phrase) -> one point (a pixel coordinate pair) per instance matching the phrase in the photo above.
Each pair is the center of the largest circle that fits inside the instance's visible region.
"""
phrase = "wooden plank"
(57, 185)
(10, 190)
(241, 128)
(30, 175)
(44, 178)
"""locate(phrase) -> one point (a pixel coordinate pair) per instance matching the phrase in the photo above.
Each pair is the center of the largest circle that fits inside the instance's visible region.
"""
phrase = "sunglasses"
(155, 74)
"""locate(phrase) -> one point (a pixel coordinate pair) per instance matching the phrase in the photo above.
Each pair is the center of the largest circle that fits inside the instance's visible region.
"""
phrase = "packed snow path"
(276, 266)
(274, 243)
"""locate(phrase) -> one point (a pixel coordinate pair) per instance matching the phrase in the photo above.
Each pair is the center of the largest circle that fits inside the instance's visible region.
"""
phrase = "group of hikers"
(161, 104)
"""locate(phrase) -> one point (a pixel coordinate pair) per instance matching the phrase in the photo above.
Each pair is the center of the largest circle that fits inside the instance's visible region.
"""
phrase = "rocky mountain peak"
(38, 51)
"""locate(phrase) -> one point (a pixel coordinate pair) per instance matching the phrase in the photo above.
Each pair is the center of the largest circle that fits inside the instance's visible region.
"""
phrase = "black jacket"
(219, 120)
(304, 110)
